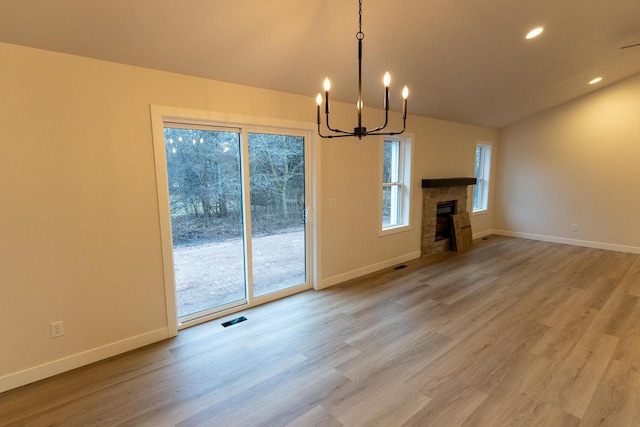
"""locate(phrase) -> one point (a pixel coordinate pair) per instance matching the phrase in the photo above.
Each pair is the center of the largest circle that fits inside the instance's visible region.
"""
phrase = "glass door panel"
(278, 211)
(205, 195)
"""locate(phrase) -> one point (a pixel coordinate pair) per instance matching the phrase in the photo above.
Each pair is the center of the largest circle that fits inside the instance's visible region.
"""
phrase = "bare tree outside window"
(207, 210)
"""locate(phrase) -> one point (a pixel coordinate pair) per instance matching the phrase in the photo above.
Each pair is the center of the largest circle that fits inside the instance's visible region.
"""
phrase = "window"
(396, 178)
(483, 166)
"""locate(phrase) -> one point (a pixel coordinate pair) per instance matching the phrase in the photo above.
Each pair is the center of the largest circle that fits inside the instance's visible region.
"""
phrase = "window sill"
(479, 212)
(394, 230)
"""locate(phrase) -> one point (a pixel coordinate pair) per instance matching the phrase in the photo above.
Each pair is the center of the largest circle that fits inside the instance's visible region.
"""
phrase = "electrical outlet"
(352, 254)
(57, 329)
(574, 227)
(332, 203)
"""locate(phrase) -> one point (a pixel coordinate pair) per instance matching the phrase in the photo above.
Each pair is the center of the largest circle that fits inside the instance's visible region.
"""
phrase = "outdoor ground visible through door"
(280, 258)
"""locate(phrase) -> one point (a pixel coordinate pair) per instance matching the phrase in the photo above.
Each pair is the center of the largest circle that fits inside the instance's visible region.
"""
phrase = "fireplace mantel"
(447, 182)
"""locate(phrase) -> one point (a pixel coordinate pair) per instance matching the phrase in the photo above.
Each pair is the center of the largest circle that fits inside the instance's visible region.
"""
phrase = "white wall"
(79, 219)
(575, 164)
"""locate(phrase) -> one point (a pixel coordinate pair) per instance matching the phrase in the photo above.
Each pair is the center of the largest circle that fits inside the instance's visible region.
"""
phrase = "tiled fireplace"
(442, 191)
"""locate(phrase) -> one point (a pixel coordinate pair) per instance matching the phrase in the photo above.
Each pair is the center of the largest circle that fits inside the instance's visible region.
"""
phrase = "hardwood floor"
(514, 332)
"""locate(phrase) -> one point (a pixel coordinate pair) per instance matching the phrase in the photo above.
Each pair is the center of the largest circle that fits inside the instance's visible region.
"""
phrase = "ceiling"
(463, 60)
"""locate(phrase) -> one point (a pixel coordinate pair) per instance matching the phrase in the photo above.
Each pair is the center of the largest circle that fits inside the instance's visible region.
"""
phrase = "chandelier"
(359, 130)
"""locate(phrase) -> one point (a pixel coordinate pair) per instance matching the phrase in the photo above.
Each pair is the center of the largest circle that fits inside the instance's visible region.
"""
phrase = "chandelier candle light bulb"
(319, 102)
(327, 87)
(405, 95)
(386, 80)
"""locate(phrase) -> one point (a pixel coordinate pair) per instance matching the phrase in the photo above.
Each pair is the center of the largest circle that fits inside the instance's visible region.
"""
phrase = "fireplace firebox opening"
(444, 210)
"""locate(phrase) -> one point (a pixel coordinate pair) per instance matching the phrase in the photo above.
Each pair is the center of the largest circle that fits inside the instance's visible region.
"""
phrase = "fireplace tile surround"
(435, 191)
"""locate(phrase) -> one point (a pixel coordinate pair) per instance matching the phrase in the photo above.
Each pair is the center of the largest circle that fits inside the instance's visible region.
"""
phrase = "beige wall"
(441, 150)
(575, 164)
(79, 218)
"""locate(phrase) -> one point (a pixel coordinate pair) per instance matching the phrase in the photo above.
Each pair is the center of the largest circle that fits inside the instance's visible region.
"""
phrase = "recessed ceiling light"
(534, 33)
(596, 80)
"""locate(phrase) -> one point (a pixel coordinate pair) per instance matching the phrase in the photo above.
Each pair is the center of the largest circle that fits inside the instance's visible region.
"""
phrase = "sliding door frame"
(161, 115)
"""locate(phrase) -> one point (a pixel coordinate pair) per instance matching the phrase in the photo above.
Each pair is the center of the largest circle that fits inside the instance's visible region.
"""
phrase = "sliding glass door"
(238, 215)
(278, 211)
(205, 197)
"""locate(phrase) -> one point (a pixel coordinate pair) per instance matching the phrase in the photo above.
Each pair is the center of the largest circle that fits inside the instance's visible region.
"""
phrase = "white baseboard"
(565, 241)
(36, 373)
(334, 280)
(49, 369)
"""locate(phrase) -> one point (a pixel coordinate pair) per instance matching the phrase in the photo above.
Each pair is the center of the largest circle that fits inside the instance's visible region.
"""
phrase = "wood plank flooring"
(511, 333)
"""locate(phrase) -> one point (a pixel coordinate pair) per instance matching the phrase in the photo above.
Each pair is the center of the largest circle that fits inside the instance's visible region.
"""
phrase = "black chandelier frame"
(361, 131)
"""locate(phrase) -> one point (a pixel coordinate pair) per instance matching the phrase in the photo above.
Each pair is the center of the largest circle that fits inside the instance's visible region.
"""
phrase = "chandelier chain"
(360, 34)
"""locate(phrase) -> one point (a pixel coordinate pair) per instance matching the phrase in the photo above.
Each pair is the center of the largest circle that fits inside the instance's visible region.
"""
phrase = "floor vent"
(400, 267)
(234, 321)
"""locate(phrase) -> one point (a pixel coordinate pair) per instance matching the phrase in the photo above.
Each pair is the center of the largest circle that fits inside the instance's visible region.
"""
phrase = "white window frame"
(405, 165)
(482, 172)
